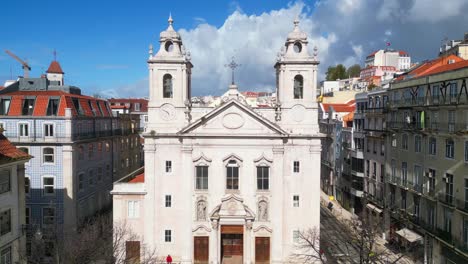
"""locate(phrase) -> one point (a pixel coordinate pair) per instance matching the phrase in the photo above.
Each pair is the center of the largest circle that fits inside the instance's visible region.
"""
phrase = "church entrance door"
(232, 244)
(201, 249)
(262, 250)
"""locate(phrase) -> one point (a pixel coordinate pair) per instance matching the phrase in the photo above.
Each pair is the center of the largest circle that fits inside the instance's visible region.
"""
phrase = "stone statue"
(262, 211)
(201, 210)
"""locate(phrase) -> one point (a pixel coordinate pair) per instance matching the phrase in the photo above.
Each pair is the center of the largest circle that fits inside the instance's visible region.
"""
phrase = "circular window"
(169, 46)
(297, 47)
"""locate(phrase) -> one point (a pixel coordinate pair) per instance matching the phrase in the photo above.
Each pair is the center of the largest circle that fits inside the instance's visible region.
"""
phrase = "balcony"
(446, 199)
(437, 100)
(444, 235)
(462, 205)
(395, 180)
(433, 127)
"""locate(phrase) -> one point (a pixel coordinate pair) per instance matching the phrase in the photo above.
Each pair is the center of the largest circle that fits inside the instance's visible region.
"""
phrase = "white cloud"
(344, 31)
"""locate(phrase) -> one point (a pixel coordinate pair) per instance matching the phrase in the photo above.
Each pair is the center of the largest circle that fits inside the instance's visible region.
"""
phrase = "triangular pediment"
(233, 118)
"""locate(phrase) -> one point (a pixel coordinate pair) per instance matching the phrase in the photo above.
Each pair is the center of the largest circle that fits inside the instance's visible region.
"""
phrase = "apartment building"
(79, 149)
(427, 159)
(12, 202)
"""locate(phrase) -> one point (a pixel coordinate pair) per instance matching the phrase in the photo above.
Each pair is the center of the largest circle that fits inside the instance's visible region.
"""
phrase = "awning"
(409, 235)
(374, 208)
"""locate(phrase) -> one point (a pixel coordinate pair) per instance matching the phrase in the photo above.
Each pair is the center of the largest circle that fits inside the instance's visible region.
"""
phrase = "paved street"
(336, 241)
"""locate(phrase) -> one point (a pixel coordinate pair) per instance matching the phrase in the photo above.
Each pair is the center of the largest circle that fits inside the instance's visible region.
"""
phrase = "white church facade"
(228, 184)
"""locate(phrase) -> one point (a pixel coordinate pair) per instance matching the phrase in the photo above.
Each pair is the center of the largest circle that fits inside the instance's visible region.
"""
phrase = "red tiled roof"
(428, 67)
(138, 179)
(41, 105)
(42, 99)
(339, 107)
(349, 117)
(54, 67)
(10, 152)
(402, 53)
(372, 54)
(142, 101)
(118, 107)
(447, 67)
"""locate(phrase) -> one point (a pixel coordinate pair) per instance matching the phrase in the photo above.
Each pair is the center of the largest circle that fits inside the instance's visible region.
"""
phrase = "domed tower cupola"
(170, 40)
(296, 43)
(296, 71)
(170, 72)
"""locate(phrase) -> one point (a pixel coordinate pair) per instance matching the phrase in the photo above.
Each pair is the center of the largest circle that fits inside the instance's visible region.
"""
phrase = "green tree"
(354, 71)
(336, 72)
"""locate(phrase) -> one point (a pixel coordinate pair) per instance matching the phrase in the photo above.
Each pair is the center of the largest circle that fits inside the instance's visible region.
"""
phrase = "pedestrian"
(168, 259)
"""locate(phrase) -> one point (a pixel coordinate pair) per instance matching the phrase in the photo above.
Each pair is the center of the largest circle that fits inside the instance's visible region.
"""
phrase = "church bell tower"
(169, 81)
(296, 82)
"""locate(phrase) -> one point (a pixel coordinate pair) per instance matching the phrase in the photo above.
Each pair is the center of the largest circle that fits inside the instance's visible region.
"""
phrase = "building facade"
(427, 160)
(241, 181)
(12, 203)
(136, 107)
(79, 149)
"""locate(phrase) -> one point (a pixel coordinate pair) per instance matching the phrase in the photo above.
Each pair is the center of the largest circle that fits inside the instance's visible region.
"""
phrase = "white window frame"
(47, 131)
(43, 185)
(6, 183)
(27, 178)
(295, 236)
(168, 166)
(167, 201)
(296, 202)
(168, 236)
(6, 255)
(21, 130)
(54, 217)
(296, 169)
(133, 209)
(43, 155)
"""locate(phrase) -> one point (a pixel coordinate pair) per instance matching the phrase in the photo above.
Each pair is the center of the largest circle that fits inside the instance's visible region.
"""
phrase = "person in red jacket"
(168, 259)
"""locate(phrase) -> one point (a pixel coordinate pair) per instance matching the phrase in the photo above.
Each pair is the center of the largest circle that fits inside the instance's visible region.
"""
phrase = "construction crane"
(26, 67)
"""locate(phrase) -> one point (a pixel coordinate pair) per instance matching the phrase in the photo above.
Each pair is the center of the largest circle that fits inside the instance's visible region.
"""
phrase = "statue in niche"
(201, 210)
(262, 211)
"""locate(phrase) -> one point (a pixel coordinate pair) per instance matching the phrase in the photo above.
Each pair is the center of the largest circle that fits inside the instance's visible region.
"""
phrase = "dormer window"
(4, 105)
(298, 87)
(28, 106)
(52, 107)
(167, 86)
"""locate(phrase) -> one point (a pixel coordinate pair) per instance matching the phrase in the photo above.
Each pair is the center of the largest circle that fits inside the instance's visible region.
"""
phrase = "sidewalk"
(342, 214)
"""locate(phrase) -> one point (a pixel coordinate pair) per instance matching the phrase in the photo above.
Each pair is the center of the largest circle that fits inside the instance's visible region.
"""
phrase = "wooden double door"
(262, 250)
(201, 249)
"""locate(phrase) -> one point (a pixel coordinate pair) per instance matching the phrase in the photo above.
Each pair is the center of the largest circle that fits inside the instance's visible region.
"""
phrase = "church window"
(298, 87)
(168, 166)
(232, 176)
(168, 201)
(296, 166)
(167, 235)
(167, 86)
(297, 47)
(296, 200)
(263, 178)
(169, 46)
(201, 182)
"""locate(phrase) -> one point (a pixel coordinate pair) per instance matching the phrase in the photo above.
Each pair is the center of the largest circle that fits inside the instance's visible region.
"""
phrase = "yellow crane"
(25, 65)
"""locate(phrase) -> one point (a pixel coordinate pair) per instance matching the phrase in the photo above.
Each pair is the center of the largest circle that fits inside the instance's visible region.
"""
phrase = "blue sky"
(103, 45)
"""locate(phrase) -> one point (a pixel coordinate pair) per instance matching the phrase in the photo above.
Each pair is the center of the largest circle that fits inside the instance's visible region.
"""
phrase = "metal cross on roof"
(233, 65)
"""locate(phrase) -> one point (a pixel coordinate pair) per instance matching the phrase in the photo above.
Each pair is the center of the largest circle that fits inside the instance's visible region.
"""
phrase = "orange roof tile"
(54, 67)
(349, 117)
(41, 105)
(447, 67)
(138, 179)
(9, 152)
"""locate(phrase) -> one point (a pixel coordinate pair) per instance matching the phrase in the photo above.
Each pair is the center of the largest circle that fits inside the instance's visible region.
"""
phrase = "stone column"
(248, 242)
(276, 205)
(214, 243)
(186, 191)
